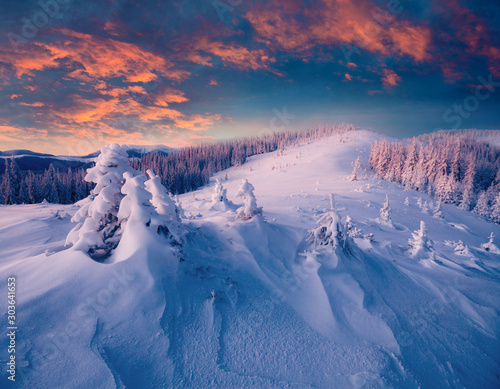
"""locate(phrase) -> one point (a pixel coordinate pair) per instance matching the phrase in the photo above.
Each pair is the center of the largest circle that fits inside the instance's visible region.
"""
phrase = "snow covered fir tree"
(122, 203)
(419, 244)
(99, 229)
(385, 213)
(249, 208)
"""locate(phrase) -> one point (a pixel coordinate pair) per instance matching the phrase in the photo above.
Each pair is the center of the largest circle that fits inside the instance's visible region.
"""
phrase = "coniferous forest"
(455, 167)
(182, 171)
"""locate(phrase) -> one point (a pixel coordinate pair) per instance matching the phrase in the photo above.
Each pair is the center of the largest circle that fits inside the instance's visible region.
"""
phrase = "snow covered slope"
(248, 303)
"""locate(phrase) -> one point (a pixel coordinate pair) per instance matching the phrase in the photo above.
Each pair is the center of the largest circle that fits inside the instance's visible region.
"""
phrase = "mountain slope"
(249, 303)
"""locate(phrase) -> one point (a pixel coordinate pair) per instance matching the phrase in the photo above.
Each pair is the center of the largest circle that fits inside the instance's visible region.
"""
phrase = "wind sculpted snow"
(256, 302)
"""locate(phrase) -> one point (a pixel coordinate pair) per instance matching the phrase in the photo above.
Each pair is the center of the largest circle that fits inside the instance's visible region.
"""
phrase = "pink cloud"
(390, 78)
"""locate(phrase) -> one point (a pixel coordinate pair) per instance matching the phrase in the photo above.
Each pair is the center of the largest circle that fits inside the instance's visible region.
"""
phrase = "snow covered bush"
(460, 248)
(407, 201)
(490, 245)
(351, 230)
(328, 231)
(369, 237)
(385, 213)
(250, 208)
(98, 229)
(418, 242)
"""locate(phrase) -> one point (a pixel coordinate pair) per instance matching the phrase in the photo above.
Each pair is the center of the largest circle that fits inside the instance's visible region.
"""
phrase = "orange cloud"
(197, 122)
(348, 76)
(92, 58)
(213, 83)
(170, 95)
(390, 78)
(336, 22)
(36, 104)
(232, 55)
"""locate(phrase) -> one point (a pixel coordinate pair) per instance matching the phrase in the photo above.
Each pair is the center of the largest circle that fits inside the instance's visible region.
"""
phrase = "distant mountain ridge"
(34, 161)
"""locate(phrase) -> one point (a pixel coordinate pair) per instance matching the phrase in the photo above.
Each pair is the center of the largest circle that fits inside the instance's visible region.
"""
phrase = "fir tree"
(50, 185)
(483, 206)
(419, 243)
(354, 175)
(100, 231)
(8, 190)
(438, 213)
(495, 211)
(219, 197)
(468, 184)
(385, 212)
(250, 208)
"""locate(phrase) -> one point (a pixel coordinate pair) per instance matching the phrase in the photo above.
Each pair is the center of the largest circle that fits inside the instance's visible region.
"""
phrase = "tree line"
(182, 171)
(455, 167)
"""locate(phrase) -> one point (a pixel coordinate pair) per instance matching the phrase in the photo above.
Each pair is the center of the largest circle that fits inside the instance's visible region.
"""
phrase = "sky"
(76, 75)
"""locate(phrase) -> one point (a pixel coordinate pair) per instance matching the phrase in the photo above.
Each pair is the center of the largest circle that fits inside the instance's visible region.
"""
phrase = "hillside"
(253, 303)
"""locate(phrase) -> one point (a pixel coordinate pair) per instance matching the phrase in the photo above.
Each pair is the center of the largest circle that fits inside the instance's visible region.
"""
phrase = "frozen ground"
(241, 306)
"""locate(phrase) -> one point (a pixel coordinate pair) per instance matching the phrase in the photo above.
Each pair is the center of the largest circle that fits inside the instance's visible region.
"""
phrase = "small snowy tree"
(168, 220)
(219, 197)
(357, 164)
(99, 233)
(328, 232)
(418, 242)
(354, 174)
(419, 202)
(250, 208)
(351, 230)
(490, 245)
(7, 186)
(438, 213)
(407, 201)
(385, 212)
(425, 207)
